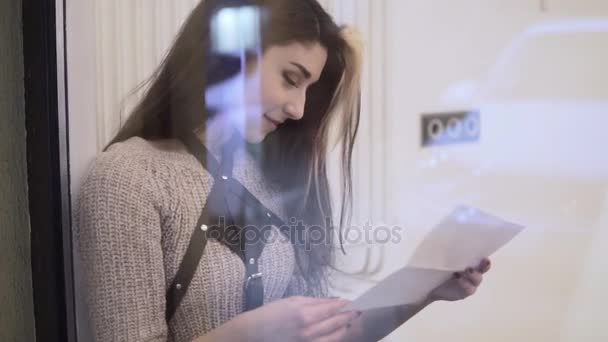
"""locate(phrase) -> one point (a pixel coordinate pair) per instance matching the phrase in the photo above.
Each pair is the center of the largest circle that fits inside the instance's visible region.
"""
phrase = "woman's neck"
(216, 133)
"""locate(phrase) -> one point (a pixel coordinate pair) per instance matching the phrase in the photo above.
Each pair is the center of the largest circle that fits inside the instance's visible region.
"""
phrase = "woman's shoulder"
(165, 150)
(158, 157)
(137, 162)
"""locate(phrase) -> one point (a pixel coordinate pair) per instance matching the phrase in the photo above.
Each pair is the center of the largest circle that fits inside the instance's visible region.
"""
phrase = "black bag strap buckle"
(252, 277)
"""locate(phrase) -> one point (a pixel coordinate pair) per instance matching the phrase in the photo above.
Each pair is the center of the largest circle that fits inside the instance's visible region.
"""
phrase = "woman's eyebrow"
(306, 73)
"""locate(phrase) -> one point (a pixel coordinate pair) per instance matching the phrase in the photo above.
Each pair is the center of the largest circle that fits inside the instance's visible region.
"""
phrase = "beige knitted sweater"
(135, 214)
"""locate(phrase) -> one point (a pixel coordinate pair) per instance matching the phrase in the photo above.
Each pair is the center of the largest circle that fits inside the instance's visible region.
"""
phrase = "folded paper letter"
(462, 239)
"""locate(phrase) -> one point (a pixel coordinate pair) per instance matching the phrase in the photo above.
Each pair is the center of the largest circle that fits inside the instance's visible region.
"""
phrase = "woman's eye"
(290, 79)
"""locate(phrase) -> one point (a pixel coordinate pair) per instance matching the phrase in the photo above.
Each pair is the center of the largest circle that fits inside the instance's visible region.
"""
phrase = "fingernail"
(456, 275)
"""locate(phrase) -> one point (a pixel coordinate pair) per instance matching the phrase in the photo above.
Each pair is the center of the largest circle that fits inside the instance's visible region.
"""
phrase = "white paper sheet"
(462, 239)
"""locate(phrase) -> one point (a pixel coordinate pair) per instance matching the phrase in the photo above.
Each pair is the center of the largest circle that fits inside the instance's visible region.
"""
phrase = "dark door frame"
(48, 169)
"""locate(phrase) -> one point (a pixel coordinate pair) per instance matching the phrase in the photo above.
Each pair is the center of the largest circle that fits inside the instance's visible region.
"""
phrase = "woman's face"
(272, 90)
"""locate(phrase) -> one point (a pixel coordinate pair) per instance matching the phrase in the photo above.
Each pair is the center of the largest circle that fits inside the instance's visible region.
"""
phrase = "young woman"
(208, 216)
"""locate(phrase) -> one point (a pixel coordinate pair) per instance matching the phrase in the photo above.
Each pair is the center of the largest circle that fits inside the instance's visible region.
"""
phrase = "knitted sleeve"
(118, 236)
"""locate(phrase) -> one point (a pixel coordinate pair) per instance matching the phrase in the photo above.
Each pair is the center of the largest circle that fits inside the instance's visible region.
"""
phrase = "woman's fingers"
(329, 326)
(484, 265)
(336, 336)
(321, 311)
(470, 279)
(467, 286)
(473, 276)
(314, 300)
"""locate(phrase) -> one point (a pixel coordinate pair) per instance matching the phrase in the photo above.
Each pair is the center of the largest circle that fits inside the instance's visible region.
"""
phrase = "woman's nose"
(295, 108)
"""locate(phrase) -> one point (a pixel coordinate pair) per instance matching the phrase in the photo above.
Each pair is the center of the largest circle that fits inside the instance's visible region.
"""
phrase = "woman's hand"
(298, 319)
(462, 284)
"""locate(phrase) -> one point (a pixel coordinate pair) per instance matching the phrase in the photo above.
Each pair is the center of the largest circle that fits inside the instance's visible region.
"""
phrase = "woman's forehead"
(312, 56)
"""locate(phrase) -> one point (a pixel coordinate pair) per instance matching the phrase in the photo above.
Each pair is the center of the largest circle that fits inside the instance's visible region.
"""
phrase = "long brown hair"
(292, 157)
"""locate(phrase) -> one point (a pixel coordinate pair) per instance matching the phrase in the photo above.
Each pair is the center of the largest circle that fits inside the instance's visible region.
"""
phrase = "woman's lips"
(273, 122)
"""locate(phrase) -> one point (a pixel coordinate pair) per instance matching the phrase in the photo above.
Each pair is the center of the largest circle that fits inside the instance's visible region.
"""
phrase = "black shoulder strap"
(198, 240)
(223, 183)
(204, 157)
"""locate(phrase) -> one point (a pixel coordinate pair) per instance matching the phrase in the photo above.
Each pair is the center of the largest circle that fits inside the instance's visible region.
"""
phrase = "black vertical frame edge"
(48, 171)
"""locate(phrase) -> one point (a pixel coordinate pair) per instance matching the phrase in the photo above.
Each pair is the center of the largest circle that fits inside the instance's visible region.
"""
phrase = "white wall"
(113, 46)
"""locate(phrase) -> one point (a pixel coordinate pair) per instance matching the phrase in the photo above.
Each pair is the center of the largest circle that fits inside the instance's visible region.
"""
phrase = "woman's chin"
(255, 137)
